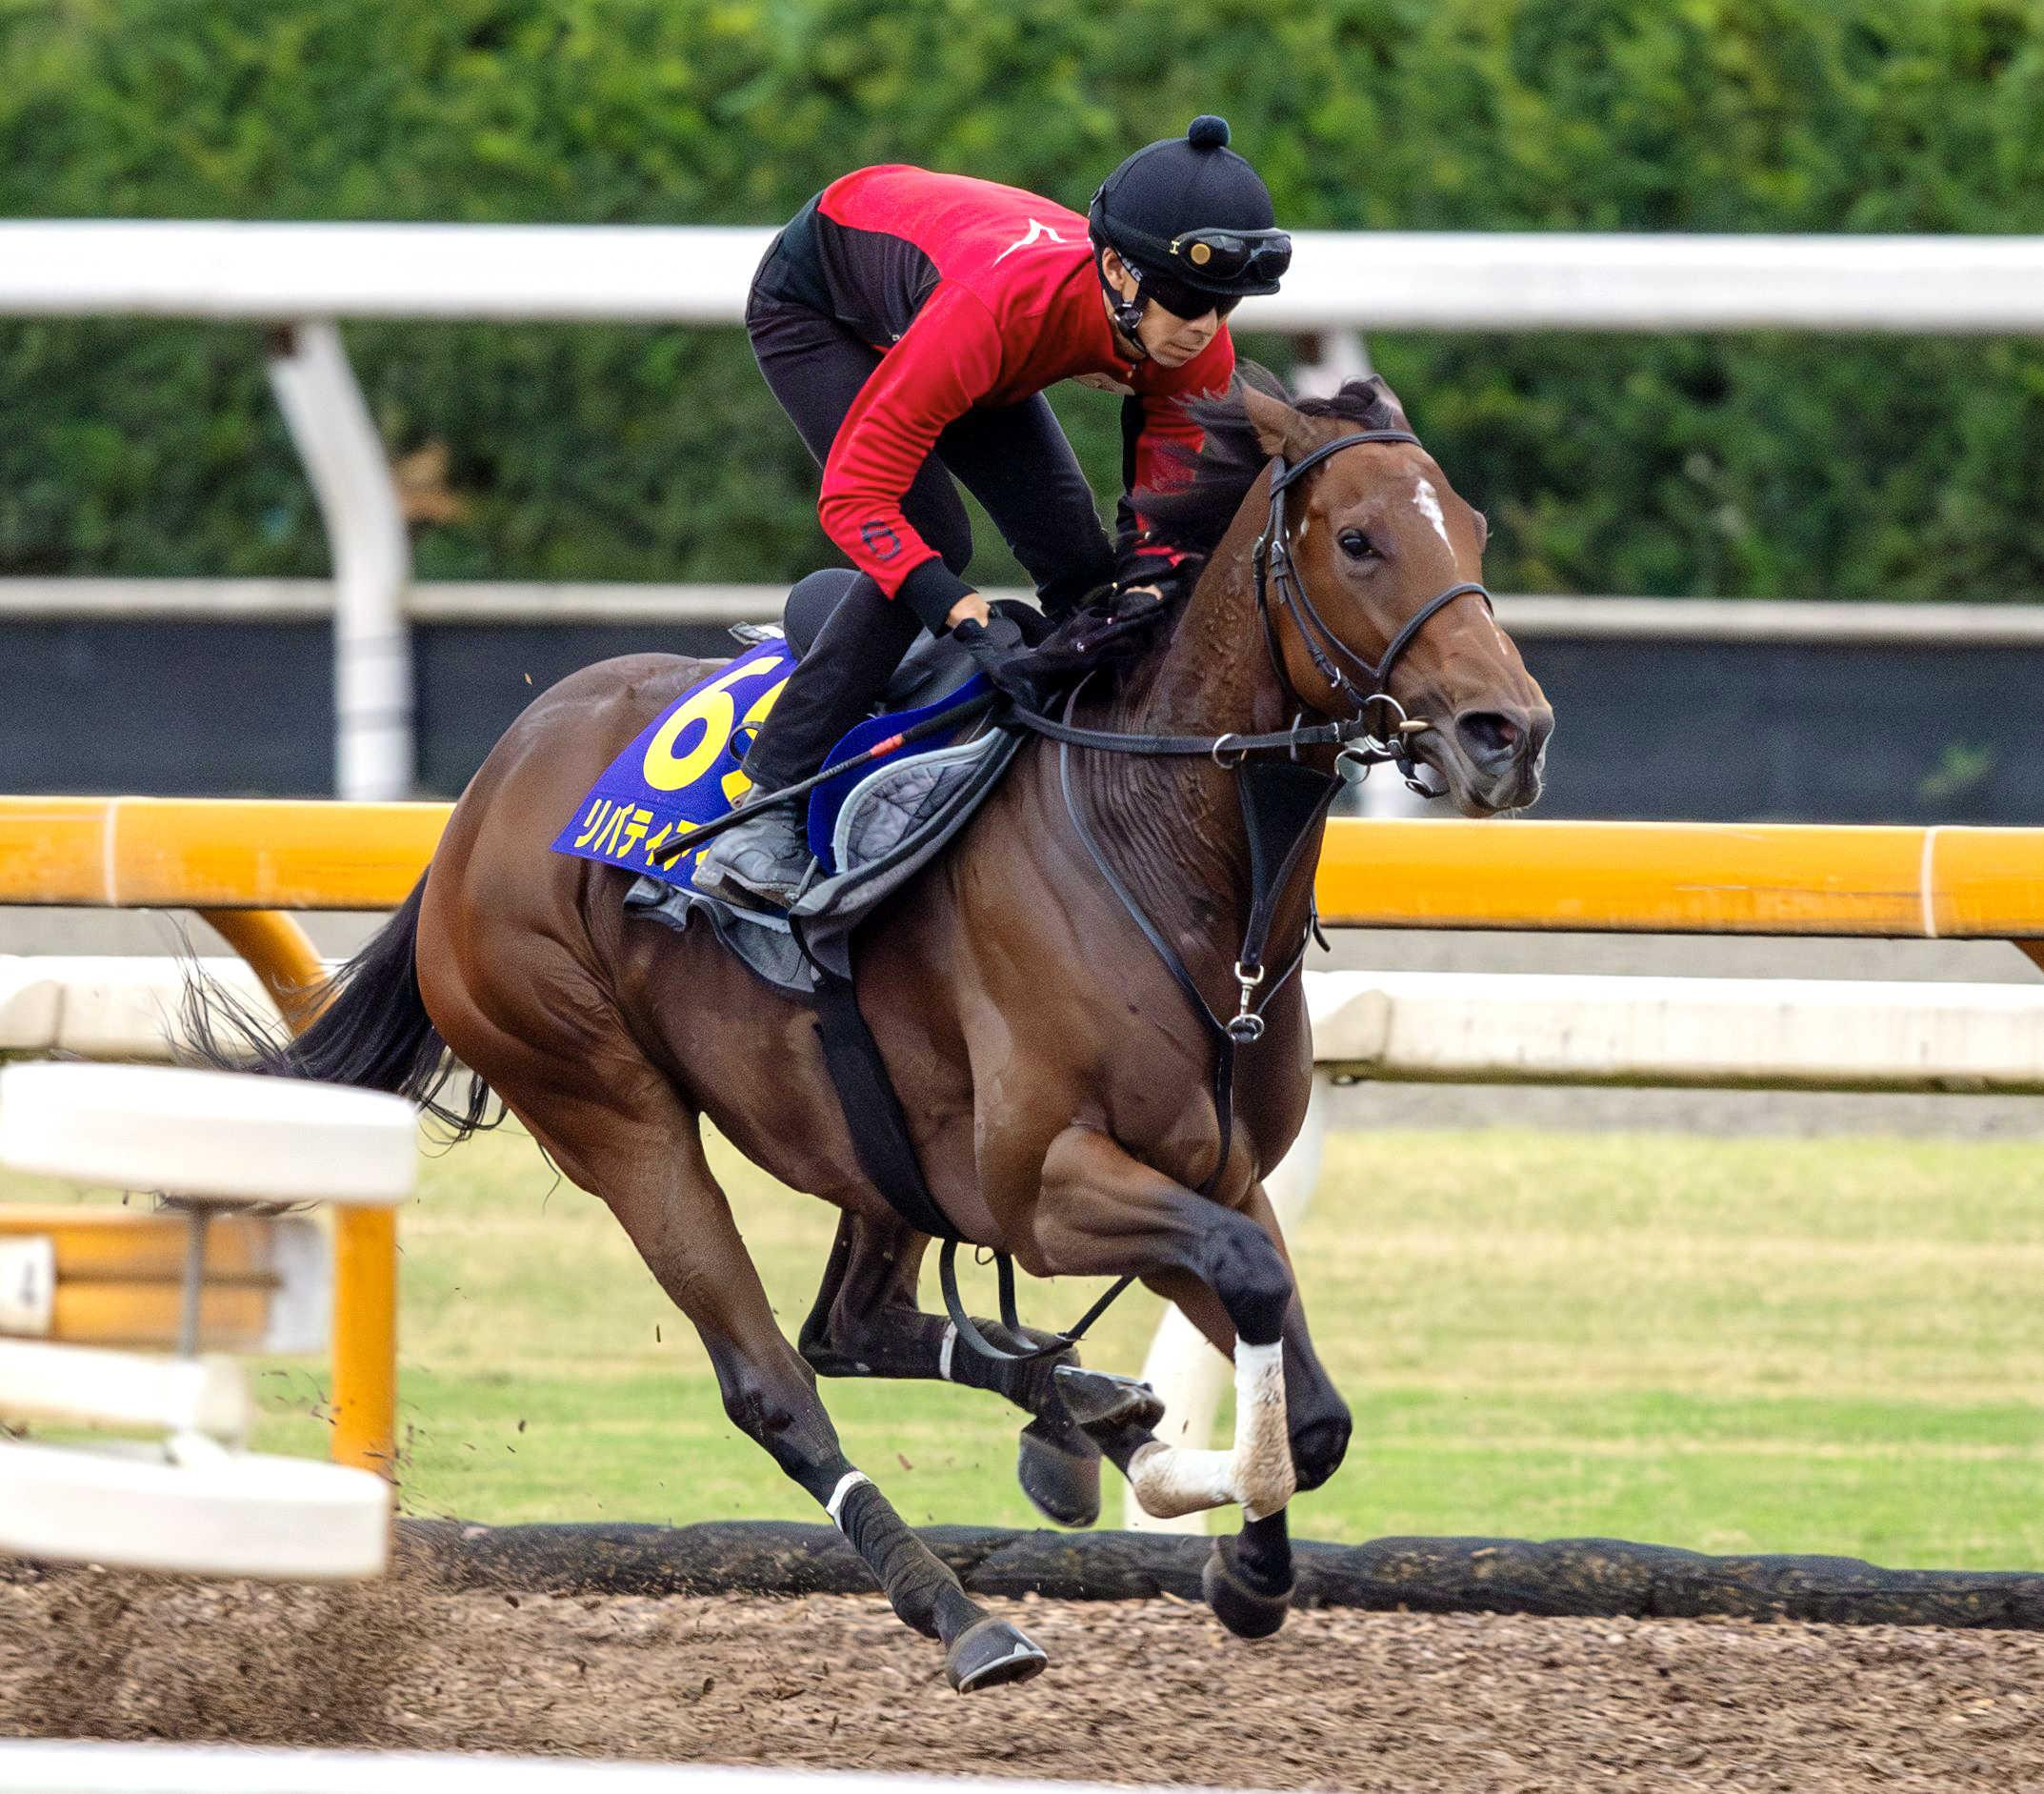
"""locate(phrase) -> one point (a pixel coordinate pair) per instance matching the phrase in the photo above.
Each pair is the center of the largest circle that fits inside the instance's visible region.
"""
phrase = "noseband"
(1276, 570)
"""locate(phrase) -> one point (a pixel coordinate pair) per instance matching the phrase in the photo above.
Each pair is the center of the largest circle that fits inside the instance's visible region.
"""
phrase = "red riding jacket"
(975, 295)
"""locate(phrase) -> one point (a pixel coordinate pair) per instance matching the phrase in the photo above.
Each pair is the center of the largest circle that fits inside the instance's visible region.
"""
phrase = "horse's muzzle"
(1500, 754)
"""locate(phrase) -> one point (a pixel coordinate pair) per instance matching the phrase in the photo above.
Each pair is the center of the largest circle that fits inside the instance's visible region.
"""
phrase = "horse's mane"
(1195, 514)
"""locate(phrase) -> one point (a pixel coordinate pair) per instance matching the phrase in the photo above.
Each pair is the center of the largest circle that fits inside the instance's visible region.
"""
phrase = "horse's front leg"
(1319, 1419)
(1248, 1580)
(1103, 1213)
(865, 1322)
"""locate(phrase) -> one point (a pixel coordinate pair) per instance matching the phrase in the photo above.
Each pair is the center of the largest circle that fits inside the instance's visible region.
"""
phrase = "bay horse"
(1055, 1087)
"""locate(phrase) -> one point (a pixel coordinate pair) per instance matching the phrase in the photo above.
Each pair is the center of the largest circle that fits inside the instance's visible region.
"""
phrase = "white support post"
(1339, 357)
(1182, 1366)
(343, 457)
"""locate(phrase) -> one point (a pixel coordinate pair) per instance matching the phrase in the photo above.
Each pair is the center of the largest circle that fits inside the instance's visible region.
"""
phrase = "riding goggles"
(1228, 256)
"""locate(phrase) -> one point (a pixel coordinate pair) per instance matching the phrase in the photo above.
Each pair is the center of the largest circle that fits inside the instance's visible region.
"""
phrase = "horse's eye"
(1356, 545)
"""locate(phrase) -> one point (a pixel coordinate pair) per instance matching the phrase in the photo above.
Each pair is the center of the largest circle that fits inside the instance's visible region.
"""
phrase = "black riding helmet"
(1193, 221)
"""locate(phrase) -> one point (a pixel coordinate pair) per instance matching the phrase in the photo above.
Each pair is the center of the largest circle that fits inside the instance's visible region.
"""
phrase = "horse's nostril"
(1488, 735)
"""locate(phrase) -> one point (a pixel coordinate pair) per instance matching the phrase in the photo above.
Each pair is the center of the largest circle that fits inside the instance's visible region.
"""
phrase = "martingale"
(680, 771)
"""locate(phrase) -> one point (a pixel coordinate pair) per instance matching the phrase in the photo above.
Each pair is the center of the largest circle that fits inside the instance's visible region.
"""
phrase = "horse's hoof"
(1063, 1485)
(988, 1654)
(1098, 1398)
(1244, 1611)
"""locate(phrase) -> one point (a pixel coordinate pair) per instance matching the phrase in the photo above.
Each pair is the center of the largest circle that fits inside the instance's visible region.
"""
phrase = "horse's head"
(1365, 541)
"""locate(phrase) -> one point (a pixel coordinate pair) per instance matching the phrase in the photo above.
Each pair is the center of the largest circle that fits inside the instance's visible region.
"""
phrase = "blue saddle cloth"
(682, 769)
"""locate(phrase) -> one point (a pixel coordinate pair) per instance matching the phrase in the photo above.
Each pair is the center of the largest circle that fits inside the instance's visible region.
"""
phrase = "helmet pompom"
(1207, 131)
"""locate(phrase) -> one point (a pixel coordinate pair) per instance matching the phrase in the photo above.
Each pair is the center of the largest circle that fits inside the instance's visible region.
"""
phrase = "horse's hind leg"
(866, 1323)
(642, 1152)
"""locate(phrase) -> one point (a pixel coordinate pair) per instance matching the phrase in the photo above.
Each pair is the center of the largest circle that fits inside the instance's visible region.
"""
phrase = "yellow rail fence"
(1676, 878)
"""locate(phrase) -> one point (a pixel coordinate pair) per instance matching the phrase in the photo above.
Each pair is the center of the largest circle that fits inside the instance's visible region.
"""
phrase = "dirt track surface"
(1150, 1691)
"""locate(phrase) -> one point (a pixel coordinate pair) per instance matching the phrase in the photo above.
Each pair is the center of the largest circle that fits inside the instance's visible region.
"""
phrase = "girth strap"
(872, 1110)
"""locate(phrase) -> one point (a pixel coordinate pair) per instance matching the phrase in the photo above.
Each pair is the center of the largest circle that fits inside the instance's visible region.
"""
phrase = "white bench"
(208, 1142)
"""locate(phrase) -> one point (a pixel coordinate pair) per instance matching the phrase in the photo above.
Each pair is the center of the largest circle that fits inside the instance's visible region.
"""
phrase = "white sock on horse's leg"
(1265, 1479)
(846, 1484)
(1174, 1479)
(1255, 1471)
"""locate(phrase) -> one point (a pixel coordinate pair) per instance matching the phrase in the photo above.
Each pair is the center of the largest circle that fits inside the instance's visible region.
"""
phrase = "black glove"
(1174, 580)
(1116, 625)
(1030, 664)
(999, 650)
(1109, 634)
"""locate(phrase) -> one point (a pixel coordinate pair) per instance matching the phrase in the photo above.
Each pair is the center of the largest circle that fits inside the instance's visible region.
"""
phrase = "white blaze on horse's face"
(1428, 502)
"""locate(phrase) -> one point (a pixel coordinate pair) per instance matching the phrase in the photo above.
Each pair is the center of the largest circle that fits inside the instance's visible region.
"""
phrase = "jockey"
(908, 323)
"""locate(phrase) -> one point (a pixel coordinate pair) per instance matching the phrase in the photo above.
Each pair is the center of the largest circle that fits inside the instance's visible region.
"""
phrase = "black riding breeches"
(835, 683)
(1015, 460)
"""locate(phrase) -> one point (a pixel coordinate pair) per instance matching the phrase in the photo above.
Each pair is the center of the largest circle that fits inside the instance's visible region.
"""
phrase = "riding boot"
(766, 857)
(833, 688)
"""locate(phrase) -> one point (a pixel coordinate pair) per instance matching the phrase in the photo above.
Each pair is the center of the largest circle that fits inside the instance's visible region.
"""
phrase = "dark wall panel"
(1730, 731)
(174, 709)
(1754, 731)
(474, 678)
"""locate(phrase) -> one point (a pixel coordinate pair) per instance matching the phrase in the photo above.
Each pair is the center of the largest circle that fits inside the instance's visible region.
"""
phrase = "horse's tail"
(371, 1030)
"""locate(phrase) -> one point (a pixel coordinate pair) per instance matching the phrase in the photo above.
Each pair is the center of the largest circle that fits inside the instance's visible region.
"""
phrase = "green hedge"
(1755, 464)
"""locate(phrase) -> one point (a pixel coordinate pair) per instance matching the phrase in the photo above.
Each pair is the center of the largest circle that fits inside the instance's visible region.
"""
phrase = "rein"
(1281, 804)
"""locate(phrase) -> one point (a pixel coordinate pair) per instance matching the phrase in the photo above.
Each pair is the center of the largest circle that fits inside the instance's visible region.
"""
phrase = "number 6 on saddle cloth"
(923, 769)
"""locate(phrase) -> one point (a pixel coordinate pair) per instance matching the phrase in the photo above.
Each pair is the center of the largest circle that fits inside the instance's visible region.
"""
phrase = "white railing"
(1529, 1028)
(1339, 280)
(1379, 1027)
(303, 277)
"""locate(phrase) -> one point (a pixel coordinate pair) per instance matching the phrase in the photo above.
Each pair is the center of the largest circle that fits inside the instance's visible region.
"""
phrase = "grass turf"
(1731, 1345)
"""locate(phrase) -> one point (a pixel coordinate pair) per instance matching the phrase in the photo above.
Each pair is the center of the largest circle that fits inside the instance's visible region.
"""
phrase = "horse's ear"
(1279, 429)
(1399, 420)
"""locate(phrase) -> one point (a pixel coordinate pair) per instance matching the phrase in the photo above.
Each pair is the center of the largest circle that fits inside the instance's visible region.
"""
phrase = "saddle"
(933, 667)
(871, 829)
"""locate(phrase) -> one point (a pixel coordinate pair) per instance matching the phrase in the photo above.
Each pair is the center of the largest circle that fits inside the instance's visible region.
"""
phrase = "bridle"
(1275, 569)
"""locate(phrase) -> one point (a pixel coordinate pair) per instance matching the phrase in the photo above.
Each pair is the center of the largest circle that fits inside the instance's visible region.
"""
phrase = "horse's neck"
(1173, 825)
(1215, 675)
